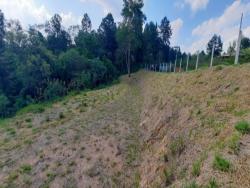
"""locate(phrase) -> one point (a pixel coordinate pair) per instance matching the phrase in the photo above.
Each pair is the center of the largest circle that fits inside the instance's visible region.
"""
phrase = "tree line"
(47, 60)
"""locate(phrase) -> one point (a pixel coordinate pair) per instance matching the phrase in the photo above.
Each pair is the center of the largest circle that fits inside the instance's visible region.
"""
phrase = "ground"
(150, 130)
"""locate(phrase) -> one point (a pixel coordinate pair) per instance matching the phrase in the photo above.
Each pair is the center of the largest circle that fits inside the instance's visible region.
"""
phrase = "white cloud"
(176, 26)
(108, 6)
(196, 5)
(29, 12)
(226, 25)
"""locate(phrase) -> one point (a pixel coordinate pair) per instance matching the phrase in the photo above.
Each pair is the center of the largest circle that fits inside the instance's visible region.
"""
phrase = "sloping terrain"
(152, 130)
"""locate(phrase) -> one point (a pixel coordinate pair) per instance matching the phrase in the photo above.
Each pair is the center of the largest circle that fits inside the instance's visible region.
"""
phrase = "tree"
(215, 40)
(86, 23)
(107, 33)
(245, 43)
(2, 30)
(151, 43)
(58, 39)
(231, 48)
(130, 32)
(165, 31)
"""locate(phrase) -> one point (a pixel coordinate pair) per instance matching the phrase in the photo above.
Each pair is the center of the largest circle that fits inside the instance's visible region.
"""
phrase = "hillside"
(153, 130)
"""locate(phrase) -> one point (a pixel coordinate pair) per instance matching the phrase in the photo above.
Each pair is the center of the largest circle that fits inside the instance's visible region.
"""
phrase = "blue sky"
(193, 21)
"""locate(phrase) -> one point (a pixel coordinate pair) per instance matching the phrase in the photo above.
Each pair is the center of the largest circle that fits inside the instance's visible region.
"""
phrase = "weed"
(234, 143)
(218, 68)
(177, 146)
(169, 176)
(25, 169)
(221, 164)
(193, 184)
(243, 127)
(196, 168)
(212, 184)
(11, 131)
(12, 176)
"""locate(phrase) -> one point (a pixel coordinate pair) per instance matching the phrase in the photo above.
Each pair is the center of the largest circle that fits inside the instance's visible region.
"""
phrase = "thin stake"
(197, 61)
(187, 63)
(180, 65)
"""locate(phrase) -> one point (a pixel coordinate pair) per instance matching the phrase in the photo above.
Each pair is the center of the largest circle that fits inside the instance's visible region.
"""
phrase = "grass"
(193, 184)
(169, 176)
(221, 164)
(243, 127)
(196, 168)
(25, 169)
(234, 143)
(177, 146)
(212, 184)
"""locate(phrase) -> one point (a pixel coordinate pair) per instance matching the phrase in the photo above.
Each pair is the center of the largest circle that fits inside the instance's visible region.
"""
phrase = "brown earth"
(148, 131)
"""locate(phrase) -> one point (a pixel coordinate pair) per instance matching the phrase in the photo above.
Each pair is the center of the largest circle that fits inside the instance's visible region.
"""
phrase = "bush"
(221, 164)
(243, 127)
(4, 102)
(54, 90)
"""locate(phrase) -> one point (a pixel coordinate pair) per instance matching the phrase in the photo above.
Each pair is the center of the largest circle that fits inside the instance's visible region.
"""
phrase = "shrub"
(221, 164)
(54, 90)
(177, 146)
(243, 127)
(4, 102)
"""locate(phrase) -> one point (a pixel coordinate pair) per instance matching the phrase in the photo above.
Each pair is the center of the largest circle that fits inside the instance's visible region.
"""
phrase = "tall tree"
(245, 43)
(107, 33)
(215, 40)
(2, 30)
(86, 23)
(130, 35)
(151, 42)
(58, 39)
(165, 31)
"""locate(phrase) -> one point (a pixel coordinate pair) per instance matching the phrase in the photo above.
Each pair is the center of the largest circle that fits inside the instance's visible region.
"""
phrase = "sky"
(193, 22)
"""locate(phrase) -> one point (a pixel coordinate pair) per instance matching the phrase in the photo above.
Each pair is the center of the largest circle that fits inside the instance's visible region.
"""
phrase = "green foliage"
(4, 102)
(54, 90)
(243, 127)
(25, 169)
(221, 164)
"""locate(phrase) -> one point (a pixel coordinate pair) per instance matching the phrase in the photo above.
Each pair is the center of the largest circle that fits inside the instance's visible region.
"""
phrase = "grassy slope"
(151, 130)
(189, 119)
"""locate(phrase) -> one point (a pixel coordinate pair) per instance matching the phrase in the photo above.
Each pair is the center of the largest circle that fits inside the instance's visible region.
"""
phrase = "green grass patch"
(169, 176)
(177, 146)
(221, 164)
(234, 143)
(196, 168)
(212, 184)
(25, 169)
(243, 127)
(193, 184)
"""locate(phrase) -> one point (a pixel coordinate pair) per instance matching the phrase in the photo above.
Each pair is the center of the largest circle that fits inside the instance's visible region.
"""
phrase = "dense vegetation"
(47, 60)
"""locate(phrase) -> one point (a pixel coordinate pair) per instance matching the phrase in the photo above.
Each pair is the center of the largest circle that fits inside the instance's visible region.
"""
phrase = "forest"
(47, 60)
